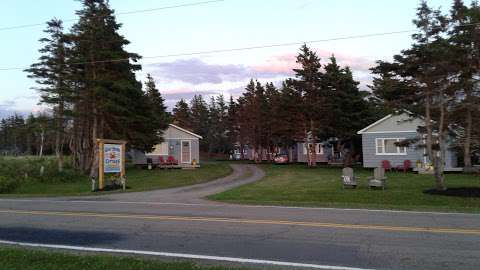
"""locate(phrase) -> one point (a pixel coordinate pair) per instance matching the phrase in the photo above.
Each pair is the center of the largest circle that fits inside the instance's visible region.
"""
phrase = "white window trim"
(383, 147)
(181, 151)
(318, 148)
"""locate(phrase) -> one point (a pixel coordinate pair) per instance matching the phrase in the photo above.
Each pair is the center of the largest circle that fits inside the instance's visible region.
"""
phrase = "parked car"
(280, 159)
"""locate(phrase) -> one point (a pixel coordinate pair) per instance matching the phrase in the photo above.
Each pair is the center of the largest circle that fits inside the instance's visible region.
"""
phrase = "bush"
(8, 184)
(29, 169)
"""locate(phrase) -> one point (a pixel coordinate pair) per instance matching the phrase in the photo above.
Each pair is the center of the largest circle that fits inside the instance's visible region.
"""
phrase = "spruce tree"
(108, 101)
(347, 107)
(157, 106)
(232, 128)
(313, 106)
(200, 120)
(464, 38)
(426, 69)
(182, 115)
(52, 74)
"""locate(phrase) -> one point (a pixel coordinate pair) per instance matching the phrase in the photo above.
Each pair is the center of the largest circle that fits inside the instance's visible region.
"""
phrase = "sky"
(214, 26)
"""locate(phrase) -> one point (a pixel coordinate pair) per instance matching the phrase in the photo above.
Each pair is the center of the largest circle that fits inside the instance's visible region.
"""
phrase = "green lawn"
(137, 180)
(24, 259)
(297, 185)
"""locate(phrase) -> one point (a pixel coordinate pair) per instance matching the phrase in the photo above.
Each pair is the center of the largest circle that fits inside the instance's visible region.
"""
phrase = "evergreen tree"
(52, 74)
(314, 99)
(200, 120)
(182, 115)
(425, 71)
(157, 106)
(464, 38)
(108, 101)
(232, 128)
(347, 106)
(288, 116)
(222, 142)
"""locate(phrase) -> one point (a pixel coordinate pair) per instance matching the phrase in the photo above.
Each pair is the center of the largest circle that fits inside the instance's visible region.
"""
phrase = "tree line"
(321, 102)
(30, 135)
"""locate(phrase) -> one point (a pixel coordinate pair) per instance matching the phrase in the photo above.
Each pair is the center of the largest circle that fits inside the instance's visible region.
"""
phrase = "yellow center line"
(248, 221)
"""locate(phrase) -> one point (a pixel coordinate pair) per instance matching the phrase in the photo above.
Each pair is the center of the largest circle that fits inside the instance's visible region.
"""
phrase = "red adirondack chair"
(172, 161)
(161, 160)
(405, 167)
(386, 165)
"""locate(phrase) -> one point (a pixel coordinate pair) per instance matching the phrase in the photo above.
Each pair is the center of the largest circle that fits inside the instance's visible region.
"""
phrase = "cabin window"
(318, 149)
(162, 149)
(387, 146)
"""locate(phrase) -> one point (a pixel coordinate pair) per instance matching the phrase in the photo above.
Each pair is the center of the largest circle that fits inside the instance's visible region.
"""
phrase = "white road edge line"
(183, 256)
(243, 206)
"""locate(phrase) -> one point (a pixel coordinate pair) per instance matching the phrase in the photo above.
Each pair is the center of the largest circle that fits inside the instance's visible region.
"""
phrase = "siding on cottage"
(372, 160)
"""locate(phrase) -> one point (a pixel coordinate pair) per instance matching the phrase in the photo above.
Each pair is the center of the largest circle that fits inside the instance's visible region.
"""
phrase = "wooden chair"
(405, 167)
(348, 179)
(171, 161)
(378, 179)
(386, 165)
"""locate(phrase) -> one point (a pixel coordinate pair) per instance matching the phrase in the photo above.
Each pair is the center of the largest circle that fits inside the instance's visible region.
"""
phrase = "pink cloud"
(281, 64)
(285, 63)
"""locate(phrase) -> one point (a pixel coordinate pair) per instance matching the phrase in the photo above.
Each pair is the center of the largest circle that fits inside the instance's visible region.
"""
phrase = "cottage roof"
(186, 131)
(394, 123)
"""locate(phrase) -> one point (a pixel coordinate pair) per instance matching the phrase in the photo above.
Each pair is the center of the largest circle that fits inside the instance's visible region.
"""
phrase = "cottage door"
(186, 152)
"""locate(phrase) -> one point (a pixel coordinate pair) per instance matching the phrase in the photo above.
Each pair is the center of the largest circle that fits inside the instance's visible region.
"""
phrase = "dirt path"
(242, 174)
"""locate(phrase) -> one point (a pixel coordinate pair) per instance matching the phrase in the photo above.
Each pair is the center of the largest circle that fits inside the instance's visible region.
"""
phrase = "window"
(161, 149)
(387, 146)
(318, 149)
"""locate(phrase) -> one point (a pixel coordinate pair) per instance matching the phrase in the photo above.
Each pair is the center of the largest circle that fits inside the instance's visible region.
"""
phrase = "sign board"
(112, 158)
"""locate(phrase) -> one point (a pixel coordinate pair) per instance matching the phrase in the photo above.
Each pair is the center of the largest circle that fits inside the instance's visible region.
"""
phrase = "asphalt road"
(189, 225)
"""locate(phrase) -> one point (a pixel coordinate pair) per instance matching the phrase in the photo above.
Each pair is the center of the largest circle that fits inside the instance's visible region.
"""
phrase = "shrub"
(8, 184)
(29, 169)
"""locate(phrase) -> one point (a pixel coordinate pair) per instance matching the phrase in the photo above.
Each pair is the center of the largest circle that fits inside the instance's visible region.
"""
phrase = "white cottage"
(180, 147)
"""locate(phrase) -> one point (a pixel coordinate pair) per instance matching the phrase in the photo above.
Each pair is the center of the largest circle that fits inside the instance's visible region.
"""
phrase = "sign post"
(111, 159)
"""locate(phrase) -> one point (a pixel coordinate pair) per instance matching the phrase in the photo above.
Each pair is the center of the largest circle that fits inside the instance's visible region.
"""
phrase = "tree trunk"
(95, 152)
(440, 159)
(313, 145)
(242, 155)
(467, 158)
(307, 148)
(42, 140)
(59, 139)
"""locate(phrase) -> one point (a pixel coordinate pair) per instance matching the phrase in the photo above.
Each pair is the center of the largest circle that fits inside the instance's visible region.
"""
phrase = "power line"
(119, 13)
(229, 50)
(245, 48)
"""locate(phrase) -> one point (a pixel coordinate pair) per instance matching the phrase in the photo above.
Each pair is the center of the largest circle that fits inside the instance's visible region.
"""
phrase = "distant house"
(326, 152)
(178, 144)
(379, 143)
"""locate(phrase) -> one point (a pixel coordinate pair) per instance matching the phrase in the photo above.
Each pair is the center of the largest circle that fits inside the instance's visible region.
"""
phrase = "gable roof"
(186, 131)
(402, 123)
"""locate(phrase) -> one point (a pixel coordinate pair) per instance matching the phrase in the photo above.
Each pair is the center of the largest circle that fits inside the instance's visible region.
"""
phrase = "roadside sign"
(111, 159)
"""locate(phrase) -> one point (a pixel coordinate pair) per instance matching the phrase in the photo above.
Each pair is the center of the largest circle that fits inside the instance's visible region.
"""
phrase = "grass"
(25, 259)
(137, 180)
(297, 185)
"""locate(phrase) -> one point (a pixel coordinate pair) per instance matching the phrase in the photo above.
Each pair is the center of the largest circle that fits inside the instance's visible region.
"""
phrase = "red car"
(281, 159)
